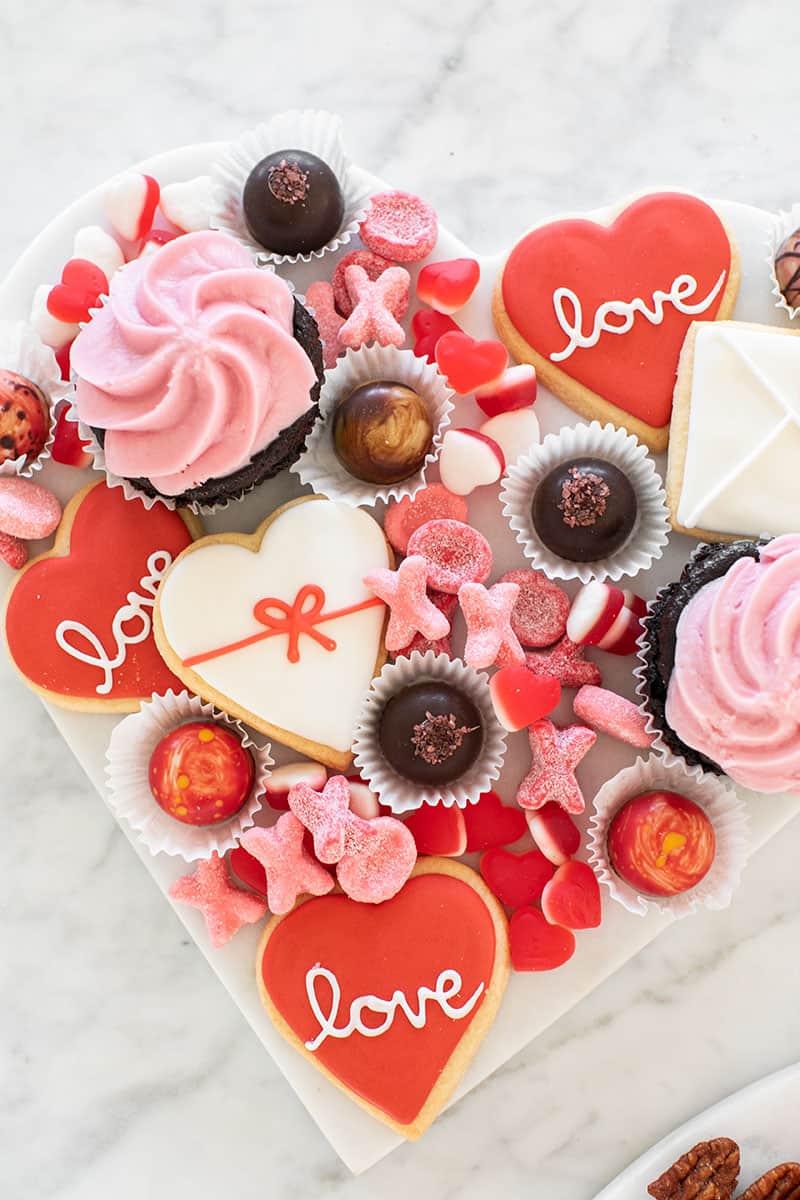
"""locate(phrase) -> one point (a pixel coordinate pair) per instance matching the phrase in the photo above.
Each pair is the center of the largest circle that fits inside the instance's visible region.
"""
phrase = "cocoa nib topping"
(287, 182)
(583, 498)
(438, 738)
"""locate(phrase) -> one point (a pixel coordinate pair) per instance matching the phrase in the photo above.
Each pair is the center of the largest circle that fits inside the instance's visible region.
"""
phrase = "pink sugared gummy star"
(291, 870)
(225, 907)
(411, 610)
(324, 814)
(555, 754)
(490, 639)
(377, 305)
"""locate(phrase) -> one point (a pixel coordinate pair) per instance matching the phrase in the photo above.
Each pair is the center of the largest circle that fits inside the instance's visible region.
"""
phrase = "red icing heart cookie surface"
(574, 298)
(442, 933)
(79, 619)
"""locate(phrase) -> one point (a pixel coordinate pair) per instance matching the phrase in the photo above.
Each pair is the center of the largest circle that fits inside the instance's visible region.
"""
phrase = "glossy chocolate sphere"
(661, 843)
(431, 733)
(787, 268)
(584, 509)
(200, 773)
(382, 432)
(292, 202)
(24, 417)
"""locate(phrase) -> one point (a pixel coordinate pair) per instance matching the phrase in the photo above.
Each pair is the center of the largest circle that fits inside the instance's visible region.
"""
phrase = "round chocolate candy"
(24, 417)
(661, 843)
(382, 432)
(431, 733)
(200, 773)
(584, 509)
(787, 268)
(292, 202)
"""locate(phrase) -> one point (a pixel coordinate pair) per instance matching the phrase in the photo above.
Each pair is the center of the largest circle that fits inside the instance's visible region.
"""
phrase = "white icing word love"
(683, 288)
(447, 985)
(135, 608)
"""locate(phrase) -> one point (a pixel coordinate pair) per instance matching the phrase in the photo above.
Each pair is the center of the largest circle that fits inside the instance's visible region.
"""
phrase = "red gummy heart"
(468, 364)
(438, 830)
(248, 870)
(572, 897)
(67, 445)
(447, 286)
(535, 944)
(520, 698)
(491, 823)
(82, 285)
(428, 326)
(516, 879)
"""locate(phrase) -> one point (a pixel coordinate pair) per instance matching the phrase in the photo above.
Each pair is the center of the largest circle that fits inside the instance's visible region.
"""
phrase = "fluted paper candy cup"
(784, 224)
(127, 772)
(719, 801)
(22, 352)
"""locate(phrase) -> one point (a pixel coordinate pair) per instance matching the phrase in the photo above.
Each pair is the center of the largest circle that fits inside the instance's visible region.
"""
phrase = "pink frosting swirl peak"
(191, 367)
(734, 693)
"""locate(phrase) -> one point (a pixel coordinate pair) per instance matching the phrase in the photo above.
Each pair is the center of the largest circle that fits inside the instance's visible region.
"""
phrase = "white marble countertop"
(142, 1080)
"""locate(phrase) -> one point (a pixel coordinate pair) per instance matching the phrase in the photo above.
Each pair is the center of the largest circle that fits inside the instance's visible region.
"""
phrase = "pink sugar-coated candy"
(379, 858)
(319, 296)
(323, 813)
(27, 510)
(377, 303)
(225, 907)
(13, 551)
(609, 713)
(410, 609)
(373, 264)
(446, 604)
(539, 616)
(490, 639)
(291, 870)
(400, 226)
(555, 754)
(566, 662)
(431, 503)
(455, 553)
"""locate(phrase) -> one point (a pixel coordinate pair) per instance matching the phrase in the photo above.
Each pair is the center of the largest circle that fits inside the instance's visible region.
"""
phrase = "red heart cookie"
(602, 310)
(79, 618)
(390, 1000)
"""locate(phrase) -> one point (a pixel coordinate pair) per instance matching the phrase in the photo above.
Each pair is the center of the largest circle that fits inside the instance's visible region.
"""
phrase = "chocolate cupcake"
(200, 375)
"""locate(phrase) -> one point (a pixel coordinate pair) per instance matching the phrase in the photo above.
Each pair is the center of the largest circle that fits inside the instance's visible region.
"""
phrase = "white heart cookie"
(278, 628)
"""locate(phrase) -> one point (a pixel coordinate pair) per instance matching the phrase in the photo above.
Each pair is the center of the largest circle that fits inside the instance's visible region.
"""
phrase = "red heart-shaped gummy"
(535, 944)
(438, 830)
(520, 698)
(67, 446)
(447, 286)
(468, 364)
(82, 285)
(516, 879)
(248, 870)
(492, 823)
(572, 897)
(428, 326)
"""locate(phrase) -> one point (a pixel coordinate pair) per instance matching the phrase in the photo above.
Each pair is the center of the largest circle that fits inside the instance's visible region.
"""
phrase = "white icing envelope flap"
(742, 466)
(287, 634)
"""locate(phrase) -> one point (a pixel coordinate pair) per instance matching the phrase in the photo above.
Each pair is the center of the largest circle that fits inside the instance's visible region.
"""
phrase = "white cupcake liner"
(127, 763)
(398, 793)
(784, 224)
(721, 805)
(22, 351)
(316, 131)
(318, 465)
(650, 533)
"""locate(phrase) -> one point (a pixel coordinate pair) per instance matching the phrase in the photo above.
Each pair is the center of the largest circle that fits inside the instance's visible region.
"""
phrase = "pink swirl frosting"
(734, 693)
(191, 366)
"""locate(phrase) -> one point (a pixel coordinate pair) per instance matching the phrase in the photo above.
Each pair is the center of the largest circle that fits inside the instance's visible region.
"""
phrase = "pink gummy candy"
(609, 713)
(490, 639)
(320, 297)
(226, 908)
(446, 604)
(411, 611)
(566, 662)
(373, 264)
(432, 503)
(27, 510)
(13, 552)
(377, 303)
(540, 613)
(400, 226)
(291, 870)
(555, 753)
(378, 859)
(455, 553)
(323, 814)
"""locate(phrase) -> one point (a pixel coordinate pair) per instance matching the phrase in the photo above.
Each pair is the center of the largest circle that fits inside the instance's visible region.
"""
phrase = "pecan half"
(709, 1171)
(781, 1183)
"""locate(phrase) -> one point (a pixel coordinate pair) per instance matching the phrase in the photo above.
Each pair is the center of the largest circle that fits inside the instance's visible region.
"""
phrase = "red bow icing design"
(291, 621)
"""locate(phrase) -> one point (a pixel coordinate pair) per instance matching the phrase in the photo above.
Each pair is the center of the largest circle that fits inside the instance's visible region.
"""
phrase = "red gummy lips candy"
(535, 944)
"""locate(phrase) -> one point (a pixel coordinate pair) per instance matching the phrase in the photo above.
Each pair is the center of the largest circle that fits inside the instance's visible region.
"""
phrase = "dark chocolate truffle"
(787, 268)
(382, 432)
(24, 417)
(431, 733)
(584, 509)
(292, 202)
